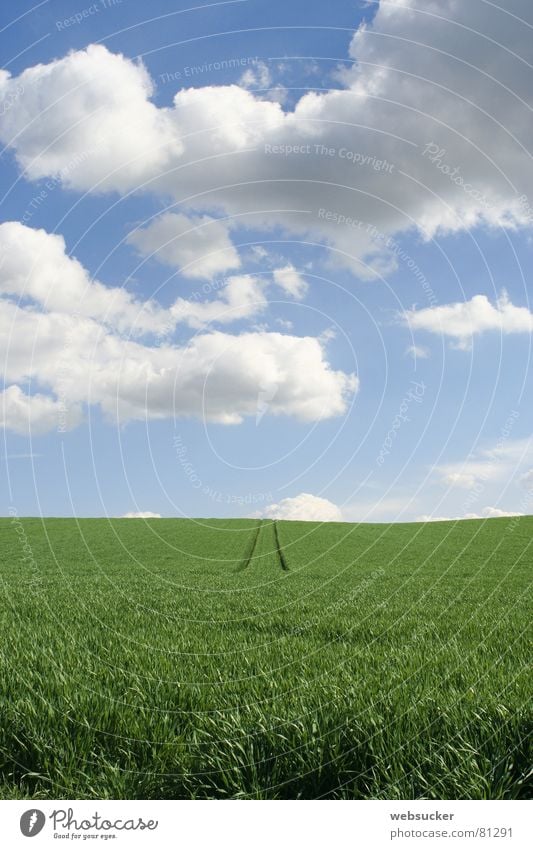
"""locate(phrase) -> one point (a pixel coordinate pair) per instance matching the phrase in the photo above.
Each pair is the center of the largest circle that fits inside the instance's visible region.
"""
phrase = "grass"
(231, 659)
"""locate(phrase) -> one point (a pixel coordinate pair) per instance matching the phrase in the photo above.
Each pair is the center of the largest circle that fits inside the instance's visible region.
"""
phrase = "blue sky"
(266, 259)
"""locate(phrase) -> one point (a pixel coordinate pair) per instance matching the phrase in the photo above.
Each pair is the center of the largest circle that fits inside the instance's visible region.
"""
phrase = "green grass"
(181, 659)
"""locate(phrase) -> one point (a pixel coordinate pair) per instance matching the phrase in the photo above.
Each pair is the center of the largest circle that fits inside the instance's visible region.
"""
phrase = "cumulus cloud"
(241, 297)
(91, 107)
(291, 281)
(36, 414)
(303, 508)
(462, 321)
(410, 149)
(78, 340)
(36, 266)
(197, 246)
(143, 514)
(259, 77)
(215, 376)
(496, 513)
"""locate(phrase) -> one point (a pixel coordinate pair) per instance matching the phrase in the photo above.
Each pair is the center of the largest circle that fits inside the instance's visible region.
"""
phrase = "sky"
(266, 259)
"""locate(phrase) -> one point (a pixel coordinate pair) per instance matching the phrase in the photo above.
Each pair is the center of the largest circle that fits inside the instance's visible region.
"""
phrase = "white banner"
(264, 825)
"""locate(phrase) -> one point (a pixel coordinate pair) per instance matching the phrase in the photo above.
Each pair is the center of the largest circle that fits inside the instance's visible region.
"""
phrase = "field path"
(279, 549)
(250, 548)
(263, 546)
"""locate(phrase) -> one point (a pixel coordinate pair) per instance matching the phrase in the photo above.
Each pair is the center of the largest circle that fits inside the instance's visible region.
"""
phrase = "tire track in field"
(281, 555)
(249, 551)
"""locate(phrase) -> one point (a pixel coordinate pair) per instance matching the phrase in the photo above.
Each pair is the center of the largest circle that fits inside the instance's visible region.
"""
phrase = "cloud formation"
(241, 297)
(36, 414)
(291, 281)
(143, 514)
(91, 107)
(80, 341)
(486, 513)
(198, 247)
(399, 146)
(462, 321)
(488, 465)
(303, 508)
(215, 376)
(35, 266)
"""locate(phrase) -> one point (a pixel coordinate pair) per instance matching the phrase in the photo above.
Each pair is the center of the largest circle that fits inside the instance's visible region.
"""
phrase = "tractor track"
(253, 545)
(281, 555)
(249, 553)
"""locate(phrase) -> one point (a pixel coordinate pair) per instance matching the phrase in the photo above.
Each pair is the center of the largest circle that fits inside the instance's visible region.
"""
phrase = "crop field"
(259, 660)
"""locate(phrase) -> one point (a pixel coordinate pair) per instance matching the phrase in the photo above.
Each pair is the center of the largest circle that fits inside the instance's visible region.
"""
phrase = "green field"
(239, 659)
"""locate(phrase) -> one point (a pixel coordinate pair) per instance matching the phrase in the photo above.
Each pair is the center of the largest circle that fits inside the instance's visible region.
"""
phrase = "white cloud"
(60, 330)
(259, 253)
(456, 490)
(467, 479)
(430, 132)
(291, 281)
(143, 514)
(36, 414)
(284, 323)
(303, 508)
(461, 321)
(496, 513)
(256, 76)
(35, 266)
(487, 513)
(198, 246)
(241, 297)
(215, 376)
(88, 118)
(488, 465)
(417, 352)
(92, 107)
(428, 518)
(490, 475)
